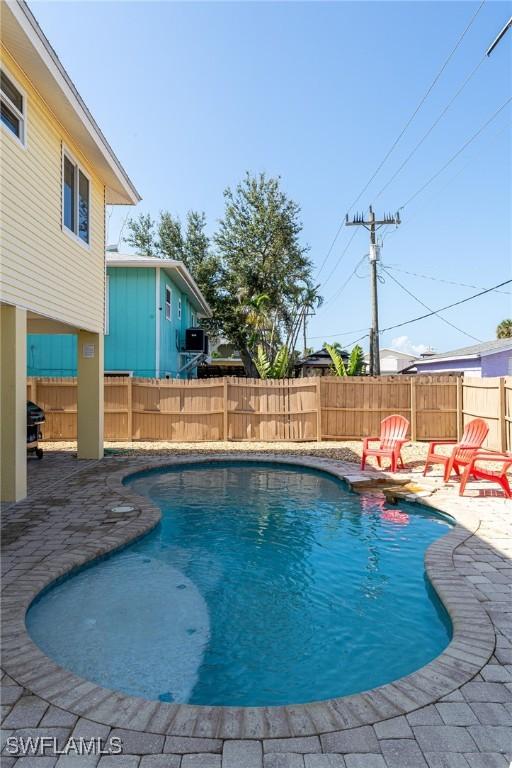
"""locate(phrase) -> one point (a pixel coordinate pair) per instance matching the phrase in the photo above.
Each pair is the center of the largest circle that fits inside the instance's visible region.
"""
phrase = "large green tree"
(254, 273)
(258, 242)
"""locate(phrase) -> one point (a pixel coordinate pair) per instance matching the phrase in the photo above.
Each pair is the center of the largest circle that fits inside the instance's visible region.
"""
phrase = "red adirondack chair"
(498, 475)
(393, 431)
(472, 439)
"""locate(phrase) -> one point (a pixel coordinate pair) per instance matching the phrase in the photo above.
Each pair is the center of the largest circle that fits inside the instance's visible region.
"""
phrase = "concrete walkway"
(455, 713)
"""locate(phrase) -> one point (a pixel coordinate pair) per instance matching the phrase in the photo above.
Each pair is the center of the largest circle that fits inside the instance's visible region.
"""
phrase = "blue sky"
(191, 95)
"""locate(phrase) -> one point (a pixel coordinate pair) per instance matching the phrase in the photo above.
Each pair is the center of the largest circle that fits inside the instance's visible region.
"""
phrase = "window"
(193, 320)
(12, 107)
(179, 309)
(75, 199)
(168, 304)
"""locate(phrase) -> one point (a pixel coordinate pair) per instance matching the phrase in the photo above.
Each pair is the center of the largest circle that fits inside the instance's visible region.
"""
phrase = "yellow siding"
(42, 268)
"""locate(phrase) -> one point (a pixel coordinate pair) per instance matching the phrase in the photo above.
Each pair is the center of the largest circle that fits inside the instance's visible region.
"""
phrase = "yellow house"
(57, 174)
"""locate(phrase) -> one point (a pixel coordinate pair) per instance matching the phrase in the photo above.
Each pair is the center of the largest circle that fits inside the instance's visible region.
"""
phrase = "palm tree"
(504, 329)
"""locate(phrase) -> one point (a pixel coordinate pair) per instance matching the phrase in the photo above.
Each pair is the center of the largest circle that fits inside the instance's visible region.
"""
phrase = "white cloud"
(405, 344)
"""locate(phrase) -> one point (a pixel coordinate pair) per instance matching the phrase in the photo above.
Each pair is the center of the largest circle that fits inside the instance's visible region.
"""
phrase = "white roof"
(388, 352)
(397, 353)
(176, 270)
(27, 44)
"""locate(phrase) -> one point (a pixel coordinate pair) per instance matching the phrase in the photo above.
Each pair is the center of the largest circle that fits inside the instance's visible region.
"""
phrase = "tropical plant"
(278, 368)
(355, 364)
(338, 364)
(504, 329)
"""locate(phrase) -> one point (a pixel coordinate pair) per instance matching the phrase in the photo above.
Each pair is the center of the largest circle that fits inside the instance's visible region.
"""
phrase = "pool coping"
(469, 650)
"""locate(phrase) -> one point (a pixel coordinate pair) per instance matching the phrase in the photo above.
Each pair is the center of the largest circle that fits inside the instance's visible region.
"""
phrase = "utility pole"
(304, 329)
(372, 225)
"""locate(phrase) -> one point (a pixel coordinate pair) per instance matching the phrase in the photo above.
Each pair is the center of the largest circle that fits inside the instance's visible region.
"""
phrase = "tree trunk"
(250, 369)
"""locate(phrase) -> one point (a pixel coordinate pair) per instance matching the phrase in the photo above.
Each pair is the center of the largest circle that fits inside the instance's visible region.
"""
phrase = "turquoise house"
(150, 303)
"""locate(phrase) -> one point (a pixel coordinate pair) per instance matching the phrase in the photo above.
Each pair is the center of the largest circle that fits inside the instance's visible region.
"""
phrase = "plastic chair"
(480, 473)
(472, 438)
(393, 431)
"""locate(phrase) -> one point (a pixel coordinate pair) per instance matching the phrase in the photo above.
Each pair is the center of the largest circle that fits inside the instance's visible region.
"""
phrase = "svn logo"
(49, 745)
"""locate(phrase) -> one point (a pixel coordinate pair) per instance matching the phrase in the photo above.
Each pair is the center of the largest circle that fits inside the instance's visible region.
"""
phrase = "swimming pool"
(265, 583)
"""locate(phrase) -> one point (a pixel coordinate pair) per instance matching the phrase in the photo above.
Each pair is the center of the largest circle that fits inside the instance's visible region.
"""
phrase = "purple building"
(490, 358)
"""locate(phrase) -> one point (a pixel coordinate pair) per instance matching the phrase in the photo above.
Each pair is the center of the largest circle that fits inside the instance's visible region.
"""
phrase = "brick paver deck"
(454, 713)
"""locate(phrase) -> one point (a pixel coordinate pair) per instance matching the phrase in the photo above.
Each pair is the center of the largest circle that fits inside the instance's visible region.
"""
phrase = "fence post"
(414, 411)
(502, 424)
(318, 410)
(460, 407)
(225, 421)
(129, 399)
(33, 390)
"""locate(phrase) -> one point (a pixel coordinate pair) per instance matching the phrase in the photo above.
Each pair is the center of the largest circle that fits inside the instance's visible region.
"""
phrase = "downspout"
(158, 314)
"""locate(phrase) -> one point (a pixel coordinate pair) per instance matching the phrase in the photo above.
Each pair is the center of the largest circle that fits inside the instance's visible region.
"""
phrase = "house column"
(90, 395)
(13, 403)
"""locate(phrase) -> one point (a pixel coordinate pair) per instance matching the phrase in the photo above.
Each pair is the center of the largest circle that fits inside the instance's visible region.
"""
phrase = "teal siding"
(51, 355)
(131, 338)
(130, 344)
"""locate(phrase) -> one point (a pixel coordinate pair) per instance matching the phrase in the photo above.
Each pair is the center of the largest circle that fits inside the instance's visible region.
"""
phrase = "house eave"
(419, 363)
(26, 43)
(177, 271)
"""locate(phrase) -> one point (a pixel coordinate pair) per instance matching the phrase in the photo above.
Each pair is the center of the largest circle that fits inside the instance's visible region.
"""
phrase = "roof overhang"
(176, 270)
(505, 348)
(459, 358)
(27, 44)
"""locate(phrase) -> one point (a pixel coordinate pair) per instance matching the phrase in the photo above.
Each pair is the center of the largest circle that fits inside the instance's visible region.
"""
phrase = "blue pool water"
(263, 584)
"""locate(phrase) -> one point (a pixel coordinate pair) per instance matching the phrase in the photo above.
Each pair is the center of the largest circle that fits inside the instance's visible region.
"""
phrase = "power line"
(422, 101)
(434, 124)
(459, 151)
(330, 249)
(495, 42)
(436, 279)
(410, 293)
(343, 333)
(333, 270)
(411, 219)
(349, 278)
(422, 317)
(402, 132)
(442, 309)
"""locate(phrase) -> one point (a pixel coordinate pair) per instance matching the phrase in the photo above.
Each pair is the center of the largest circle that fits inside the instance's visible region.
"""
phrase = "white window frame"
(78, 169)
(22, 116)
(179, 308)
(107, 305)
(168, 303)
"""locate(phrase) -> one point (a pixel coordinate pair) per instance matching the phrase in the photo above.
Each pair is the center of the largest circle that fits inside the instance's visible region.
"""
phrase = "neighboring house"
(57, 173)
(317, 364)
(221, 366)
(490, 358)
(392, 361)
(150, 303)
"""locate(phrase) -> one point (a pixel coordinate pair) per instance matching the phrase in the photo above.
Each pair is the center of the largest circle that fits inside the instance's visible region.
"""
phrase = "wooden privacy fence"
(491, 400)
(324, 408)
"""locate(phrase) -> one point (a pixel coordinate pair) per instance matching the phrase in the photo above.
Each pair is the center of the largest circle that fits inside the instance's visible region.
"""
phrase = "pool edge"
(471, 646)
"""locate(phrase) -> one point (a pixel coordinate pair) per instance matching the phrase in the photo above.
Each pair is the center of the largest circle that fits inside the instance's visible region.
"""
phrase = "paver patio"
(454, 713)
